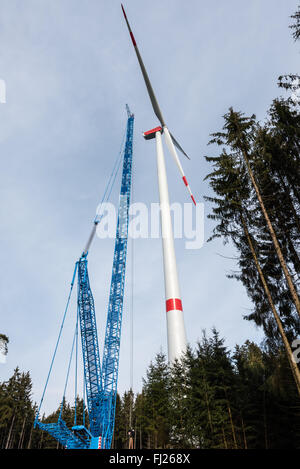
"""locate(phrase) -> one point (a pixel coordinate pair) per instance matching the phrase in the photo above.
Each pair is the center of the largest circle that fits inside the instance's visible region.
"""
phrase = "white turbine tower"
(175, 320)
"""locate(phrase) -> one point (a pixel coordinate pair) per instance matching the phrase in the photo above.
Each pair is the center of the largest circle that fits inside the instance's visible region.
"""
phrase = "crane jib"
(100, 381)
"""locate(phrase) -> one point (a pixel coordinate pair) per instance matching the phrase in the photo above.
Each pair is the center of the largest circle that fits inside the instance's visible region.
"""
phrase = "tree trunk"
(274, 237)
(224, 438)
(207, 406)
(41, 440)
(9, 432)
(141, 444)
(155, 440)
(12, 441)
(30, 437)
(244, 435)
(232, 426)
(293, 365)
(21, 439)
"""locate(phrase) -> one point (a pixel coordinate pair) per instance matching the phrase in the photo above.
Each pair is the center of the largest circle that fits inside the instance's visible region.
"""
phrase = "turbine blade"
(178, 146)
(170, 143)
(151, 94)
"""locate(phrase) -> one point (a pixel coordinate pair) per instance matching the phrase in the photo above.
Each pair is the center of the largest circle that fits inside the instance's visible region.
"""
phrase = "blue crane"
(100, 381)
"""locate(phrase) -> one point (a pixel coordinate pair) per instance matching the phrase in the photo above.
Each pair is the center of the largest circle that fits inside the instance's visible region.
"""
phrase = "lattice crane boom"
(110, 363)
(100, 382)
(90, 348)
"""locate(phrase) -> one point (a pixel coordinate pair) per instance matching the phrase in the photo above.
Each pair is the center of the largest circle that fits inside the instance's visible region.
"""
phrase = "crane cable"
(56, 346)
(68, 371)
(106, 195)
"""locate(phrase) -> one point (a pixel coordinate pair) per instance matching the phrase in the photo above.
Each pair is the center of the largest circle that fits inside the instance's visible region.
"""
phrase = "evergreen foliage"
(215, 399)
(211, 399)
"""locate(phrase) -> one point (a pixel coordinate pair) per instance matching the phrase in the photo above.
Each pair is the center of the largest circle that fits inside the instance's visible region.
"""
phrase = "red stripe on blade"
(185, 181)
(132, 38)
(123, 11)
(173, 304)
(192, 197)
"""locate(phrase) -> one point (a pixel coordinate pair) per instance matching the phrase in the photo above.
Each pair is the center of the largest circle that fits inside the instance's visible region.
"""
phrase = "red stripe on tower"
(173, 304)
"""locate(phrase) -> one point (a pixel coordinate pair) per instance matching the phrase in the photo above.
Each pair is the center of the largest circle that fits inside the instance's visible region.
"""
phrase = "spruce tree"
(239, 134)
(240, 220)
(156, 392)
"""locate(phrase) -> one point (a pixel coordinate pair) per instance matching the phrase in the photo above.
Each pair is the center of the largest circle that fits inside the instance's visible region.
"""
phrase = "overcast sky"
(69, 69)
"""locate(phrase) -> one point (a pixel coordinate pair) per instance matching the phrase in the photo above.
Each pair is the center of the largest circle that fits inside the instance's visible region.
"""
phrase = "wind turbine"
(175, 321)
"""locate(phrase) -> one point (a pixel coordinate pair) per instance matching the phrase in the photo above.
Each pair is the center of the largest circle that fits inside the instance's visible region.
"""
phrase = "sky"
(69, 69)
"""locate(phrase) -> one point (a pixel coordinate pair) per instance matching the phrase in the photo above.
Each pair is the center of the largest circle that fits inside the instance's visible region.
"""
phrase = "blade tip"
(123, 10)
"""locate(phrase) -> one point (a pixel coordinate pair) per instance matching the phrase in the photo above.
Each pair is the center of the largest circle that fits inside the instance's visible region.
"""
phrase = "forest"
(215, 398)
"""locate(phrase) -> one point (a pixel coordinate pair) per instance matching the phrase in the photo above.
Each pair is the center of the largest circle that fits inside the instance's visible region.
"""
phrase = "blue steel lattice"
(101, 386)
(63, 435)
(110, 362)
(90, 349)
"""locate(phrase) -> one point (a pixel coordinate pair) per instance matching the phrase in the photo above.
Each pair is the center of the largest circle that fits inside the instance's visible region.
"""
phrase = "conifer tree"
(239, 134)
(4, 340)
(296, 24)
(182, 425)
(238, 219)
(156, 392)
